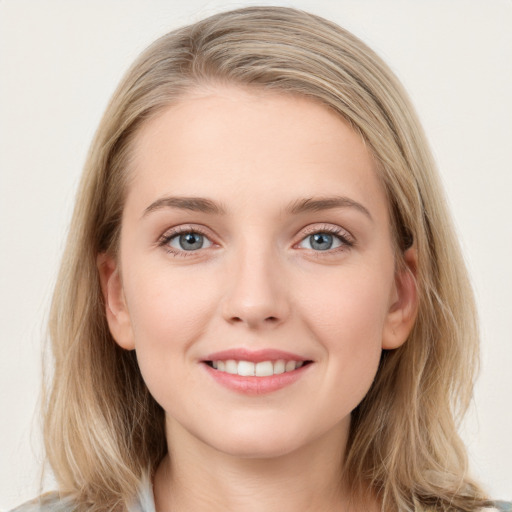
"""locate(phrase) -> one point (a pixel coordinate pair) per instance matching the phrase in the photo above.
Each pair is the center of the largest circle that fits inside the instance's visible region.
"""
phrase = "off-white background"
(59, 63)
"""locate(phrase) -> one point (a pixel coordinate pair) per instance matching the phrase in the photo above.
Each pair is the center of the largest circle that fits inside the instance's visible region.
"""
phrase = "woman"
(262, 304)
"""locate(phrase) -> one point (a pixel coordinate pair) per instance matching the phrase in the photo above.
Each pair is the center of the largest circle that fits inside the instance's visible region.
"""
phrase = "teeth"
(279, 367)
(262, 369)
(231, 366)
(245, 368)
(290, 365)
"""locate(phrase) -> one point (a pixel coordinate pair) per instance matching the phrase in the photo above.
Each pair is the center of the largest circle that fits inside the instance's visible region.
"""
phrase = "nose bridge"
(255, 292)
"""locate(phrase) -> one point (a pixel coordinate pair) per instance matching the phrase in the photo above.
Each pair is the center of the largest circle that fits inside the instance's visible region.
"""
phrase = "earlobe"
(404, 304)
(116, 312)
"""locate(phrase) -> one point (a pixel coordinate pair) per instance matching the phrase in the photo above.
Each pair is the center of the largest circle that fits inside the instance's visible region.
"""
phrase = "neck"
(195, 477)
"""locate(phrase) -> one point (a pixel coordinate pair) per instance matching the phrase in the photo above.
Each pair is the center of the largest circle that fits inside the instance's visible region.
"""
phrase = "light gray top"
(51, 502)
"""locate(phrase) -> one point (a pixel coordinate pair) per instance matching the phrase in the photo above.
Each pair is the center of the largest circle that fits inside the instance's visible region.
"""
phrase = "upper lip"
(255, 356)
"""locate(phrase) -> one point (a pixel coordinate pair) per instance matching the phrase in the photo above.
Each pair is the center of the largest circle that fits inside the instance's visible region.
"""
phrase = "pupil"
(191, 241)
(321, 241)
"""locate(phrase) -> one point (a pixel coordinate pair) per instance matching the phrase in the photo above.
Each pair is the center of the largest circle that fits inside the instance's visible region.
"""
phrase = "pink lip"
(256, 385)
(255, 356)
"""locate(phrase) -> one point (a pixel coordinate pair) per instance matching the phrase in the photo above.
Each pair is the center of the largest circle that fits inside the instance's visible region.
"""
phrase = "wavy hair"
(104, 431)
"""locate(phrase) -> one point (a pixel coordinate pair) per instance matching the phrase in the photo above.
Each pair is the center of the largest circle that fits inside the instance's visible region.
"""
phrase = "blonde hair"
(104, 431)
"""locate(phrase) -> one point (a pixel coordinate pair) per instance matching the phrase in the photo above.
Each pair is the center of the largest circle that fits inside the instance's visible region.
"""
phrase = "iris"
(321, 241)
(191, 241)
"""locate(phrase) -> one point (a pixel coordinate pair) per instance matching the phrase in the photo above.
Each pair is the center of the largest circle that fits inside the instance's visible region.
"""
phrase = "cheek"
(166, 303)
(347, 318)
(349, 305)
(169, 312)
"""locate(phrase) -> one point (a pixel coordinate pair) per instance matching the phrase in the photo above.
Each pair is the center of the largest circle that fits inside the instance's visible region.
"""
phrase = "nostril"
(254, 320)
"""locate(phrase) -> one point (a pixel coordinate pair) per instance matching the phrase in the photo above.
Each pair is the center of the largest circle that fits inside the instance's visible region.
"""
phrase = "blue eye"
(189, 241)
(323, 241)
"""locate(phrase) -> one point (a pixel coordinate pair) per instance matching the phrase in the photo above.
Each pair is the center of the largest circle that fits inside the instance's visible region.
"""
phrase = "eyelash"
(182, 230)
(347, 241)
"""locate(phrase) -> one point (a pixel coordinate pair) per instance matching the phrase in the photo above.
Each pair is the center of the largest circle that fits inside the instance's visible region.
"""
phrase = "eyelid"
(169, 234)
(326, 228)
(176, 238)
(346, 238)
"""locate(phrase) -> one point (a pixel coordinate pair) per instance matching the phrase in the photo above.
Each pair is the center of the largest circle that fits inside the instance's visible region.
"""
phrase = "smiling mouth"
(259, 369)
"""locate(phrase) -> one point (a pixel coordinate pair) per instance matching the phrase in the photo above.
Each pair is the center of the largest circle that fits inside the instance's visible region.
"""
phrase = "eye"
(189, 241)
(326, 240)
(320, 242)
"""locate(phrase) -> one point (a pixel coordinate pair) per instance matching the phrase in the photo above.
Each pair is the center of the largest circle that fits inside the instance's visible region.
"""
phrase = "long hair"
(104, 431)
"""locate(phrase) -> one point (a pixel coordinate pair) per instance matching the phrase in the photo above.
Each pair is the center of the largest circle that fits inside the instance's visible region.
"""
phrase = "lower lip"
(256, 385)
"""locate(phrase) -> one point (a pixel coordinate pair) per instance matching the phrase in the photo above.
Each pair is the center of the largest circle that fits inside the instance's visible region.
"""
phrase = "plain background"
(61, 60)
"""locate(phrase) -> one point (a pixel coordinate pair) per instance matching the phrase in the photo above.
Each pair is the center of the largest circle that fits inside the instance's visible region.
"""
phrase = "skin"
(257, 283)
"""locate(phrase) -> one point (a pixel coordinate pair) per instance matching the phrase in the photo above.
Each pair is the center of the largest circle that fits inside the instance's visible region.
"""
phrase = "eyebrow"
(195, 204)
(310, 204)
(326, 203)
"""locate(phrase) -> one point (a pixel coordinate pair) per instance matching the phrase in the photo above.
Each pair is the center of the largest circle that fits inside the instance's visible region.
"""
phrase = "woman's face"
(256, 275)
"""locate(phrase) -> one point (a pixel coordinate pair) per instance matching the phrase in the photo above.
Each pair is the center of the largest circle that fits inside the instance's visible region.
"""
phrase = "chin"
(259, 449)
(257, 442)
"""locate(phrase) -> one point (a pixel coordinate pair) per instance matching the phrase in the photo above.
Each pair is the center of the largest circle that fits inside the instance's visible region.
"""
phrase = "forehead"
(230, 142)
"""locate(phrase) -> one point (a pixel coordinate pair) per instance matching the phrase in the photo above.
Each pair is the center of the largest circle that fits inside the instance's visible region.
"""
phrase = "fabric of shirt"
(52, 502)
(144, 502)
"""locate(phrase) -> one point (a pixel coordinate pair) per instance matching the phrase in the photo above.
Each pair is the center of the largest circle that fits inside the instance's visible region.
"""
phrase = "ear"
(403, 304)
(116, 311)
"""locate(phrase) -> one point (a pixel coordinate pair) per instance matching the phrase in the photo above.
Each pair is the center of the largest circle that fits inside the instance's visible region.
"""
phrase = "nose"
(256, 294)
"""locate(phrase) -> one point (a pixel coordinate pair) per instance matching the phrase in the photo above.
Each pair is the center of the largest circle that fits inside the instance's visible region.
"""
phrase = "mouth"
(256, 369)
(256, 372)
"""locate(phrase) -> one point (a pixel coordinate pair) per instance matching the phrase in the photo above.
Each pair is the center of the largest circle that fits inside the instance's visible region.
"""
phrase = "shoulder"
(503, 506)
(54, 502)
(49, 502)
